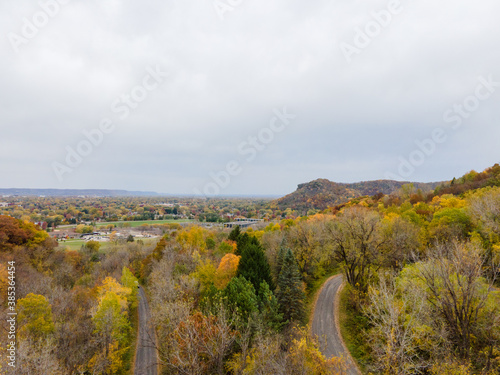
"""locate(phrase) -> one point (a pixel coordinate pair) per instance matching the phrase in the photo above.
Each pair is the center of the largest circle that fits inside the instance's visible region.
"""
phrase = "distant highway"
(146, 361)
(324, 326)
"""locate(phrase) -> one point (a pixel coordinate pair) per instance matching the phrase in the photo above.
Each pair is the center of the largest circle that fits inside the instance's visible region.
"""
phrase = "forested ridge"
(321, 193)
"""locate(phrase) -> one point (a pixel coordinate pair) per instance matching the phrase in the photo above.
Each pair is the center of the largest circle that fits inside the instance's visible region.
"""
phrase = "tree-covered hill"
(321, 193)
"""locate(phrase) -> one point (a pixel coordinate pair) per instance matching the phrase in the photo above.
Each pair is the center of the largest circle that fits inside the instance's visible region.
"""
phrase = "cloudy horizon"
(249, 98)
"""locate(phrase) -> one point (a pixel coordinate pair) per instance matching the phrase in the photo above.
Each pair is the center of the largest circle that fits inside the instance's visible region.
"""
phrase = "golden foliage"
(205, 273)
(226, 270)
(193, 238)
(110, 285)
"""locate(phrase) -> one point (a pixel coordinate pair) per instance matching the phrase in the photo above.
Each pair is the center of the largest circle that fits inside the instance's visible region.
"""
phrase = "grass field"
(73, 244)
(77, 244)
(134, 224)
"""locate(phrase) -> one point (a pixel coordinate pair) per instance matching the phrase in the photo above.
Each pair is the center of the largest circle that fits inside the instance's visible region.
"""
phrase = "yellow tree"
(306, 358)
(226, 270)
(3, 282)
(35, 317)
(130, 281)
(205, 273)
(193, 238)
(111, 285)
(112, 328)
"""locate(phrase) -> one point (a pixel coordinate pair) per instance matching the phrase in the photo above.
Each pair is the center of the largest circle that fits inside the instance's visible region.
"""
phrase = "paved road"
(323, 325)
(145, 359)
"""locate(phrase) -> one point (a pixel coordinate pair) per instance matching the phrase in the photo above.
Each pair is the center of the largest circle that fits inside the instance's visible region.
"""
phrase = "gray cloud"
(354, 120)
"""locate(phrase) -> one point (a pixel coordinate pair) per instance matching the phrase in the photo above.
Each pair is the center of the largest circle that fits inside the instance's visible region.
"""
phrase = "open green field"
(77, 244)
(73, 244)
(134, 224)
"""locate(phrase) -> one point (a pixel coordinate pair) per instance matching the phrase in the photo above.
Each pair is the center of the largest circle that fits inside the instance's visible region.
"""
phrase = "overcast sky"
(356, 104)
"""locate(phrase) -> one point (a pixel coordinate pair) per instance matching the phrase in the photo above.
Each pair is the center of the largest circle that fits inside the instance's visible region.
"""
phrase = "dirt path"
(145, 359)
(324, 324)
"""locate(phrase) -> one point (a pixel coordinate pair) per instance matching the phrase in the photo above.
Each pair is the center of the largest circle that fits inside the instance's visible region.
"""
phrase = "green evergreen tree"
(254, 266)
(269, 308)
(290, 293)
(240, 298)
(242, 242)
(279, 260)
(235, 234)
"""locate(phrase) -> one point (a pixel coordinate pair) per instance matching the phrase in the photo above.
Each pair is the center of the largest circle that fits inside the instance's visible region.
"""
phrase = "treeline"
(76, 310)
(472, 180)
(56, 211)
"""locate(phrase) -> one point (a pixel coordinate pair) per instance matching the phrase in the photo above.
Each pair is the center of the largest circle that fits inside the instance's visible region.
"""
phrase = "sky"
(245, 97)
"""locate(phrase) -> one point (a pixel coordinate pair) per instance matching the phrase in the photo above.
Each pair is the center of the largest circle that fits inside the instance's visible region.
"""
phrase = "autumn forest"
(419, 266)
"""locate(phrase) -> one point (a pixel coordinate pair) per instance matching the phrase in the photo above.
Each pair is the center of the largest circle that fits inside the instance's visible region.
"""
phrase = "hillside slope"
(471, 181)
(322, 193)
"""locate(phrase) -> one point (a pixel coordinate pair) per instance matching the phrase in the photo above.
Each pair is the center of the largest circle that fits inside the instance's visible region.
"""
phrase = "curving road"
(145, 358)
(324, 324)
